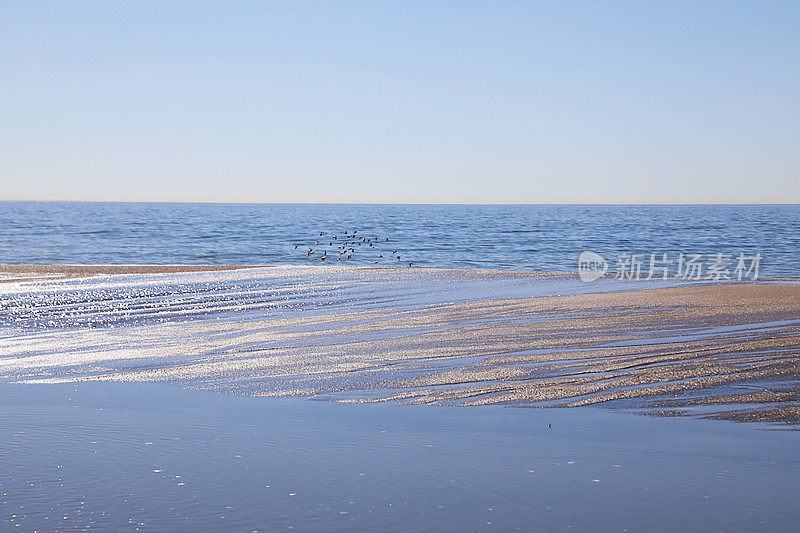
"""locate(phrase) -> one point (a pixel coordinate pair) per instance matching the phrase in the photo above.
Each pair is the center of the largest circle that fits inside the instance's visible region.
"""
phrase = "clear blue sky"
(403, 101)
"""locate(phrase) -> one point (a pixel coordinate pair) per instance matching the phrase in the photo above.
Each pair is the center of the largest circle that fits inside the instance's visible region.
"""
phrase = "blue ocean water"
(454, 236)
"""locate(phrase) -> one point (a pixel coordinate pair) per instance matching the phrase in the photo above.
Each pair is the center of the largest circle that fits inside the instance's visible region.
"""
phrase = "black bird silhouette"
(347, 246)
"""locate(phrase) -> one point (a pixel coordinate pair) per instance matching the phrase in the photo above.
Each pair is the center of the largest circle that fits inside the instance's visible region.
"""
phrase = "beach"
(360, 335)
(299, 398)
(17, 273)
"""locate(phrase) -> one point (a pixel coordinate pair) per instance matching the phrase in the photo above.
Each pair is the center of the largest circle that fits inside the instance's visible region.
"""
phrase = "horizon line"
(499, 204)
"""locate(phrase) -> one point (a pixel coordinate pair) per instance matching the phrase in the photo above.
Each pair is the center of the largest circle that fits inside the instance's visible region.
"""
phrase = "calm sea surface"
(455, 236)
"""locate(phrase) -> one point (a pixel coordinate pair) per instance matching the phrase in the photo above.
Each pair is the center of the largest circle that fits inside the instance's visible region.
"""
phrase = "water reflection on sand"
(117, 456)
(416, 335)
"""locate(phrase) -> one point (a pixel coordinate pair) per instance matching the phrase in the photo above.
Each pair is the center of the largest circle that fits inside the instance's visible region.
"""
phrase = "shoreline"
(13, 272)
(45, 272)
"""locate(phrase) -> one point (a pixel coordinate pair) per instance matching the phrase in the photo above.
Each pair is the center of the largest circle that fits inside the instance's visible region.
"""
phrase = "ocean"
(507, 237)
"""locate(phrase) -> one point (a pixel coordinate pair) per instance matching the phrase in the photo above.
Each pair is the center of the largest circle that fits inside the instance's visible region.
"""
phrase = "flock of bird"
(347, 246)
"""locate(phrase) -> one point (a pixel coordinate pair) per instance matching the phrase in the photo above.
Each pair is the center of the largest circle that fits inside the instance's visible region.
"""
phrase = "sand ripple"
(435, 337)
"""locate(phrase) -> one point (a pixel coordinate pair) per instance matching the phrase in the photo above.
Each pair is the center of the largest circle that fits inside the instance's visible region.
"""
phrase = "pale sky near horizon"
(401, 102)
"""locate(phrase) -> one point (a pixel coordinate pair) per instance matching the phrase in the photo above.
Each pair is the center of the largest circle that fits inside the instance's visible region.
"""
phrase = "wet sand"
(16, 273)
(720, 351)
(125, 456)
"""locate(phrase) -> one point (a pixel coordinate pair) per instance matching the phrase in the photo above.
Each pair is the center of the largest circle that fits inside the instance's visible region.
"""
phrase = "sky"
(401, 101)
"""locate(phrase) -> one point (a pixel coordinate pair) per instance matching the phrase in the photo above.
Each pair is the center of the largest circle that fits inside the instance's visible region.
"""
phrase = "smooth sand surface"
(118, 456)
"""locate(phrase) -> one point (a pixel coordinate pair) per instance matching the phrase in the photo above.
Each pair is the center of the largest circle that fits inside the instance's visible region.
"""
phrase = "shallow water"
(453, 337)
(283, 292)
(130, 456)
